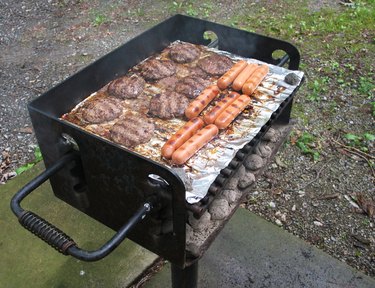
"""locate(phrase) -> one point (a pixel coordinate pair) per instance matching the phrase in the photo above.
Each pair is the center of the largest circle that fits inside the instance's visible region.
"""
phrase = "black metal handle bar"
(54, 236)
(283, 60)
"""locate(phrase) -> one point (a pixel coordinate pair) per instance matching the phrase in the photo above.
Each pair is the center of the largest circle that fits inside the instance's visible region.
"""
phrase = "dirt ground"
(321, 186)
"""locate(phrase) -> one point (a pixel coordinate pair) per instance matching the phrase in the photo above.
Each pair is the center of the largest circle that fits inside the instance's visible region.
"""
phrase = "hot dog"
(243, 76)
(196, 106)
(211, 116)
(181, 136)
(232, 111)
(196, 142)
(227, 79)
(256, 78)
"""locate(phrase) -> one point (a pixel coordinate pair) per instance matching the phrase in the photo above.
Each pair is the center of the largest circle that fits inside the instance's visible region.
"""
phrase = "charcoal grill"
(115, 185)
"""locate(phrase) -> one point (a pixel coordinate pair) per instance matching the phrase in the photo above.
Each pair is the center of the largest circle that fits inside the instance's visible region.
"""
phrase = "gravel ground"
(44, 42)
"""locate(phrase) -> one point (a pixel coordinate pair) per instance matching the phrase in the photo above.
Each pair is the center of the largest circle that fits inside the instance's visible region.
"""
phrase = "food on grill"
(181, 136)
(215, 64)
(196, 71)
(132, 130)
(256, 78)
(126, 87)
(141, 104)
(155, 69)
(201, 102)
(232, 111)
(243, 76)
(168, 105)
(167, 83)
(160, 89)
(101, 110)
(211, 116)
(184, 53)
(196, 142)
(227, 79)
(191, 86)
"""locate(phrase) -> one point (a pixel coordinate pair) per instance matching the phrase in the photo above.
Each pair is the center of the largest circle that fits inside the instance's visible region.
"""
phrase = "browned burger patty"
(154, 69)
(191, 86)
(101, 110)
(132, 130)
(184, 53)
(126, 87)
(167, 83)
(196, 71)
(168, 105)
(215, 64)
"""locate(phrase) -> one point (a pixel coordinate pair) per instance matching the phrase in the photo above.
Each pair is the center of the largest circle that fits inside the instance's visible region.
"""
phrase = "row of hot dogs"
(194, 134)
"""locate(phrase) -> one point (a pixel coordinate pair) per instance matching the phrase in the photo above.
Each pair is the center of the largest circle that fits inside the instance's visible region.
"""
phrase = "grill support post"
(185, 277)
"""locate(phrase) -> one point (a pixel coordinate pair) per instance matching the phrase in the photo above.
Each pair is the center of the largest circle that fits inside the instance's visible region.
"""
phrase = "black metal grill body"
(110, 182)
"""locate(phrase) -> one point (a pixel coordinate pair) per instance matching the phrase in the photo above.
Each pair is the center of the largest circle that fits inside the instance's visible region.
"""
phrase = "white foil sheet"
(202, 169)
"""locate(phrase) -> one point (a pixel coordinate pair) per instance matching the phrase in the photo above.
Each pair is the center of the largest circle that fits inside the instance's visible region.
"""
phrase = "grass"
(37, 157)
(306, 142)
(336, 45)
(361, 142)
(99, 19)
(203, 9)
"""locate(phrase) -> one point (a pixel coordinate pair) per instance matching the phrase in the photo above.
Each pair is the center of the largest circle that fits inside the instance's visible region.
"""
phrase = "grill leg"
(185, 278)
(284, 117)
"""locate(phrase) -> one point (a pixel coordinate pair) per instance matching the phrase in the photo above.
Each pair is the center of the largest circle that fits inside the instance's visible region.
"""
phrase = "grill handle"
(283, 60)
(54, 236)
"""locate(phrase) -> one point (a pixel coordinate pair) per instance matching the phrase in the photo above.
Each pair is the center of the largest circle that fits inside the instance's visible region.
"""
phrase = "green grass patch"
(37, 157)
(306, 143)
(202, 9)
(361, 142)
(99, 19)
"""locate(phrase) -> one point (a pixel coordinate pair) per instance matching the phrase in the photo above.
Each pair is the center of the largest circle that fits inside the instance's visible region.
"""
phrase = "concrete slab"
(27, 261)
(251, 252)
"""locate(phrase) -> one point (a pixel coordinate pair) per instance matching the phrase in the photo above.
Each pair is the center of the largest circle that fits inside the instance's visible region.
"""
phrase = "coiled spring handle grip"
(54, 236)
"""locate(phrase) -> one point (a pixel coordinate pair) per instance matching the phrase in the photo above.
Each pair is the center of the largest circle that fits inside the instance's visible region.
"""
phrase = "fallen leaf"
(27, 130)
(361, 239)
(280, 163)
(366, 204)
(354, 204)
(7, 176)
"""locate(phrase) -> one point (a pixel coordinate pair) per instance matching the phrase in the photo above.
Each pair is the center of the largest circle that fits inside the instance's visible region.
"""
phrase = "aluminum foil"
(200, 171)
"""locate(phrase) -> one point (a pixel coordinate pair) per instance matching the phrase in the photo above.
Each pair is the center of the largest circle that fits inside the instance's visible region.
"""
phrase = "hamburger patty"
(191, 86)
(126, 87)
(215, 64)
(168, 105)
(154, 69)
(132, 130)
(101, 110)
(196, 71)
(184, 53)
(167, 83)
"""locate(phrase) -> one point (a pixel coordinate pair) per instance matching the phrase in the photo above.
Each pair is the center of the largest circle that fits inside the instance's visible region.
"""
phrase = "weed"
(366, 222)
(318, 87)
(99, 19)
(191, 11)
(306, 144)
(366, 87)
(361, 142)
(299, 111)
(37, 157)
(373, 108)
(358, 253)
(191, 8)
